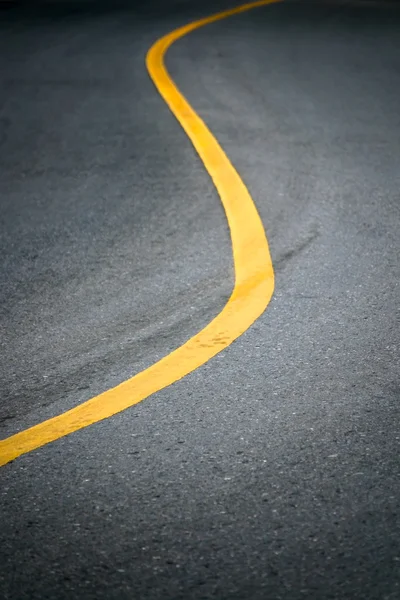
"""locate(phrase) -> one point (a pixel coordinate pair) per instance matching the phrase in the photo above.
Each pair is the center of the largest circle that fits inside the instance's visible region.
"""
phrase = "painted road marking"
(254, 276)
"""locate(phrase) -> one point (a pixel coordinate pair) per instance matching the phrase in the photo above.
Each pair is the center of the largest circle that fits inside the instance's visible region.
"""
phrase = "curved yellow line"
(254, 277)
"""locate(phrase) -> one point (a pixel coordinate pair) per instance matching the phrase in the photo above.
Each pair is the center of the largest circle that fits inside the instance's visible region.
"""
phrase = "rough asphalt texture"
(272, 471)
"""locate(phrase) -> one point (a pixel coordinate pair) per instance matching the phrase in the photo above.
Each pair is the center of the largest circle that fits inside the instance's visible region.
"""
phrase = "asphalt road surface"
(273, 471)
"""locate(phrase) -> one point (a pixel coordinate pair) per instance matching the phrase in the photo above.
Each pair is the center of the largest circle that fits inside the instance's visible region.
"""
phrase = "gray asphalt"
(273, 470)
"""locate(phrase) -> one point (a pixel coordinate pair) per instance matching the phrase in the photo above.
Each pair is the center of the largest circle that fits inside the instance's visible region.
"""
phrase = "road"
(271, 471)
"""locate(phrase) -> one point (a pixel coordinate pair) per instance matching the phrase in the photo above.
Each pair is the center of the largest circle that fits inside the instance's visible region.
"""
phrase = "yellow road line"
(254, 277)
